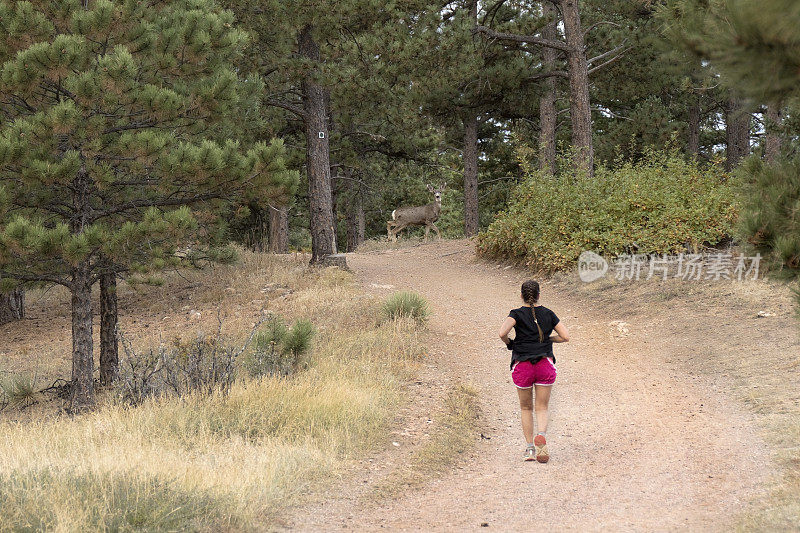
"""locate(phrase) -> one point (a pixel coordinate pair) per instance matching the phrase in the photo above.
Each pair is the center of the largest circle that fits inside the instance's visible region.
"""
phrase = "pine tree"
(753, 45)
(477, 82)
(372, 125)
(115, 126)
(578, 68)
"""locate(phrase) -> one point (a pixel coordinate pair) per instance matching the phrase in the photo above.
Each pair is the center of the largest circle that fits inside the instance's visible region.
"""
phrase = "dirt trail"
(638, 441)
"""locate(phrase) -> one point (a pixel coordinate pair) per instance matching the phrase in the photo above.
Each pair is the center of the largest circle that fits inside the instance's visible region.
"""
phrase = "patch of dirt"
(645, 433)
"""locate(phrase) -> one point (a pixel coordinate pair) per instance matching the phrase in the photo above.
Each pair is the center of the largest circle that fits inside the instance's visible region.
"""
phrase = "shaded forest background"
(136, 138)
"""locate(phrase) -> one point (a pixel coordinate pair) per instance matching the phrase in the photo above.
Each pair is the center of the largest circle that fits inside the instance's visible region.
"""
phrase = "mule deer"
(423, 215)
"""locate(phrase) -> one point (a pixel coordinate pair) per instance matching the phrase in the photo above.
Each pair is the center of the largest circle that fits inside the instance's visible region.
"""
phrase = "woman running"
(533, 363)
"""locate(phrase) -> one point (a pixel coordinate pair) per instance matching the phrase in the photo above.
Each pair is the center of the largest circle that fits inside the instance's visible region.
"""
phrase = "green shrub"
(660, 204)
(406, 304)
(298, 339)
(279, 350)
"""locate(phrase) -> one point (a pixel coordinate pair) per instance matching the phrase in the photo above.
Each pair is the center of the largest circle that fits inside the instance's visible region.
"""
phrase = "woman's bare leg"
(526, 406)
(542, 403)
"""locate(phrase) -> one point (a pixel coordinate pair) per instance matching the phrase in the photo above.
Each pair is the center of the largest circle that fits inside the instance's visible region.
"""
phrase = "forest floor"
(675, 407)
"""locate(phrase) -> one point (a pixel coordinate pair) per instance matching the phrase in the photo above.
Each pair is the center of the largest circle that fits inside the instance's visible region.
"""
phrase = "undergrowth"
(659, 204)
(222, 458)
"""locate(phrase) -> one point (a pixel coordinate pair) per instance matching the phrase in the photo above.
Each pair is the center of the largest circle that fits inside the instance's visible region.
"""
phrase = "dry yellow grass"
(451, 436)
(221, 462)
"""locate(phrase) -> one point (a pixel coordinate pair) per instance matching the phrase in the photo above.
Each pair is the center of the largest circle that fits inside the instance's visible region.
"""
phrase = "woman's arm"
(508, 323)
(562, 333)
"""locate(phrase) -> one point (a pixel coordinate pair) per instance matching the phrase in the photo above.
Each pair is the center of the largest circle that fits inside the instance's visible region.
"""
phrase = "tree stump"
(337, 260)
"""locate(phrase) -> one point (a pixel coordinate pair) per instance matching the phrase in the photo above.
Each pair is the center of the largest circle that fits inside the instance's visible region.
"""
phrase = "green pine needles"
(115, 143)
(280, 350)
(770, 220)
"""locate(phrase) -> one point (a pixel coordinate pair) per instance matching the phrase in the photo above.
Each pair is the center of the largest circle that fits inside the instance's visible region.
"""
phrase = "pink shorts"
(526, 374)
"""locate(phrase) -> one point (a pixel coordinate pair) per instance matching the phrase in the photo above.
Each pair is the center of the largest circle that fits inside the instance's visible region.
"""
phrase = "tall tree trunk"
(355, 223)
(470, 155)
(772, 142)
(317, 155)
(12, 306)
(82, 347)
(693, 143)
(259, 239)
(737, 133)
(470, 175)
(547, 103)
(278, 230)
(335, 186)
(109, 347)
(81, 291)
(579, 107)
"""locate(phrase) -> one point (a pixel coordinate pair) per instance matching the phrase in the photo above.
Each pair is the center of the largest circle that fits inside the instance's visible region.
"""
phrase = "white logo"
(591, 266)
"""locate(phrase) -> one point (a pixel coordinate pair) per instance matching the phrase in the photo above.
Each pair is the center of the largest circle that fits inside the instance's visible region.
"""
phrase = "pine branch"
(529, 39)
(606, 63)
(601, 23)
(545, 75)
(289, 107)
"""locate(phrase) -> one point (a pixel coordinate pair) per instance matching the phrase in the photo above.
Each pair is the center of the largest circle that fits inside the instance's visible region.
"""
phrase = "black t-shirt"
(526, 340)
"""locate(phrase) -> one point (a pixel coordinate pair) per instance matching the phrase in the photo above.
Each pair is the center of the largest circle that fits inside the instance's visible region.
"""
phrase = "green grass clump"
(18, 390)
(406, 304)
(662, 204)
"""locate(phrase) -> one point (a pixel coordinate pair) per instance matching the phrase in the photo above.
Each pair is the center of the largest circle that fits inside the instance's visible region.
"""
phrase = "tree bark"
(693, 143)
(470, 175)
(772, 142)
(355, 223)
(335, 186)
(81, 291)
(12, 306)
(737, 133)
(317, 154)
(580, 110)
(547, 103)
(109, 347)
(470, 154)
(278, 230)
(82, 347)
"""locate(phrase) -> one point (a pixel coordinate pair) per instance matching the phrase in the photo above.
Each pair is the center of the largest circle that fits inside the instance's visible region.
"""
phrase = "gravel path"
(638, 441)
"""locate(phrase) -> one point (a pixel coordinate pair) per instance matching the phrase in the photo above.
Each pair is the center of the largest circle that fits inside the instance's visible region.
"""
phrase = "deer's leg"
(398, 227)
(389, 226)
(438, 235)
(427, 229)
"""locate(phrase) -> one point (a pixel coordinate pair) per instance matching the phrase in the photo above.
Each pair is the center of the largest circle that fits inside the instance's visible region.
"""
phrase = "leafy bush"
(406, 304)
(659, 204)
(278, 350)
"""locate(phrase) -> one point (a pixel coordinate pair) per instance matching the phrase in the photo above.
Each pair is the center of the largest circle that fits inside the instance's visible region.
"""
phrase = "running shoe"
(530, 453)
(540, 445)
